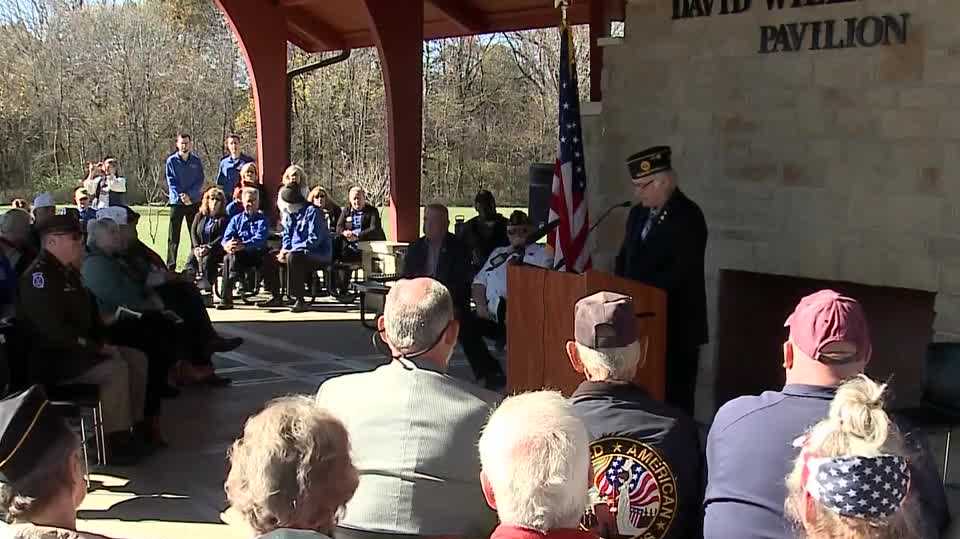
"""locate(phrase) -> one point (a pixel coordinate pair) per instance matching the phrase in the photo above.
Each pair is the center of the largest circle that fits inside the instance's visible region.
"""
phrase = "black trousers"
(682, 364)
(207, 264)
(299, 267)
(234, 264)
(179, 212)
(184, 299)
(161, 341)
(472, 331)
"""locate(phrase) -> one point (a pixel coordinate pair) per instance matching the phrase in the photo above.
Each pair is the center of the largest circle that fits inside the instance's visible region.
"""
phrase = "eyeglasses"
(643, 185)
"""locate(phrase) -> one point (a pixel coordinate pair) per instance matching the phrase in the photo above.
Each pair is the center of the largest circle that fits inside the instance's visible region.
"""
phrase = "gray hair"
(96, 227)
(611, 363)
(252, 191)
(415, 321)
(534, 452)
(11, 220)
(46, 480)
(292, 466)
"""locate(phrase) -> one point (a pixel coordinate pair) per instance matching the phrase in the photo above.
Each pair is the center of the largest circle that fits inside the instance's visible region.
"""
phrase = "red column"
(398, 29)
(599, 27)
(260, 30)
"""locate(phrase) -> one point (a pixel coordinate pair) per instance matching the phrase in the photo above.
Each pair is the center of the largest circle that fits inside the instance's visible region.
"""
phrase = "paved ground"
(179, 492)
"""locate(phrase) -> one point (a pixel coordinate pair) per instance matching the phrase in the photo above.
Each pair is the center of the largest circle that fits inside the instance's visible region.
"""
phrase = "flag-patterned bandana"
(870, 488)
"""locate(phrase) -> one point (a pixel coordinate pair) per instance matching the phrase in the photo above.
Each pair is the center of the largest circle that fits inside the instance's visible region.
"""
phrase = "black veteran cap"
(605, 320)
(59, 224)
(291, 195)
(649, 161)
(28, 428)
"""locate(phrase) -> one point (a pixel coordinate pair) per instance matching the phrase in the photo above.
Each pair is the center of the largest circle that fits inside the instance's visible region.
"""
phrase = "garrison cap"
(649, 161)
(292, 196)
(605, 320)
(29, 426)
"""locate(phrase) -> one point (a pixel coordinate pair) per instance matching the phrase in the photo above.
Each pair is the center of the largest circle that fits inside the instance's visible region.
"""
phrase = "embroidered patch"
(38, 281)
(636, 484)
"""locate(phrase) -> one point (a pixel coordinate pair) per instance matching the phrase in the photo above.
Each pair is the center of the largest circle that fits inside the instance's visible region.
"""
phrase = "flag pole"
(562, 5)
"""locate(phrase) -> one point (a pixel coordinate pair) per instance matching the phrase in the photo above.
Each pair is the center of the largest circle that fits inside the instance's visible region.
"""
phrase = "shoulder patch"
(38, 280)
(633, 480)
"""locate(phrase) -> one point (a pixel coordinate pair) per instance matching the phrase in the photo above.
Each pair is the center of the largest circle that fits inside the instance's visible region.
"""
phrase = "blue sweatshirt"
(307, 231)
(251, 230)
(229, 173)
(184, 176)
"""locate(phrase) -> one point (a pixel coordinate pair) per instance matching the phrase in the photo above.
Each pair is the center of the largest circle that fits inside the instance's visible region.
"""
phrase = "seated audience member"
(207, 231)
(829, 343)
(490, 283)
(358, 222)
(87, 212)
(179, 295)
(15, 245)
(486, 231)
(331, 211)
(852, 477)
(245, 246)
(295, 178)
(624, 422)
(19, 204)
(305, 244)
(67, 340)
(430, 462)
(291, 473)
(440, 255)
(42, 471)
(105, 187)
(536, 467)
(249, 177)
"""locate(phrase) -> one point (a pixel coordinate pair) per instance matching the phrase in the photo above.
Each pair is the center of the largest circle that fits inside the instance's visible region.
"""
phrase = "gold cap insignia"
(645, 166)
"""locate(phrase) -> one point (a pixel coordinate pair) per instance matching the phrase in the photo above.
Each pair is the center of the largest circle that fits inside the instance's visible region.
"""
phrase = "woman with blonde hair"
(852, 477)
(207, 232)
(296, 178)
(331, 210)
(249, 177)
(291, 473)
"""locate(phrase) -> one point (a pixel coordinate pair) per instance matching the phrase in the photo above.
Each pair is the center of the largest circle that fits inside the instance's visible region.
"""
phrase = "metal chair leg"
(946, 456)
(83, 446)
(101, 435)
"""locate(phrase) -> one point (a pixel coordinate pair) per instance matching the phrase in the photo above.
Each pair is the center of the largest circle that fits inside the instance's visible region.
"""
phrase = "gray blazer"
(413, 434)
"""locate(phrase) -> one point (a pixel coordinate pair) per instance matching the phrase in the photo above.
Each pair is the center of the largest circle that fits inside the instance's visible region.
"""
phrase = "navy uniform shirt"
(750, 452)
(646, 461)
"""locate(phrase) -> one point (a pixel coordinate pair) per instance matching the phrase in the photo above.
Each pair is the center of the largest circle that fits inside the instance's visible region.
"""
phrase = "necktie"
(649, 224)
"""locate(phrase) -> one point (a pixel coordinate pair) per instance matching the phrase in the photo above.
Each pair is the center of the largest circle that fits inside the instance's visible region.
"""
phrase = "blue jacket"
(184, 176)
(234, 208)
(229, 172)
(85, 215)
(251, 230)
(307, 231)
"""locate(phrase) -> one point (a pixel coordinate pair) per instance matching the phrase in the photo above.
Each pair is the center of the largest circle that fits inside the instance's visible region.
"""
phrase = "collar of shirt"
(506, 531)
(810, 391)
(619, 390)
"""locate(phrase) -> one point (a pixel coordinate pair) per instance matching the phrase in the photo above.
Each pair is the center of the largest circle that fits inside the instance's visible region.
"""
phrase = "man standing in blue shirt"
(229, 173)
(184, 172)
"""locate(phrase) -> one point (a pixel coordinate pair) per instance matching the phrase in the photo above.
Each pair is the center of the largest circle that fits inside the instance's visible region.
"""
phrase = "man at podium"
(664, 245)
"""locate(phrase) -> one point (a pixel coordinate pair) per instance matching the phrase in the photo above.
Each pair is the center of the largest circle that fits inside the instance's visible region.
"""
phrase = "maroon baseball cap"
(605, 320)
(827, 317)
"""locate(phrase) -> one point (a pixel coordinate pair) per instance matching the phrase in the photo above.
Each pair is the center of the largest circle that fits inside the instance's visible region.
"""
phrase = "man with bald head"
(413, 428)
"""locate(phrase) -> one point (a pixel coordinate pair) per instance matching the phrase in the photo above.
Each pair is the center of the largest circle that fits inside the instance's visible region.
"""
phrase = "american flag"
(568, 201)
(870, 488)
(640, 483)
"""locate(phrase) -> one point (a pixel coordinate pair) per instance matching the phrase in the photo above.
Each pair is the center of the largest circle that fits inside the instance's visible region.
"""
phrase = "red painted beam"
(265, 53)
(468, 19)
(599, 27)
(398, 31)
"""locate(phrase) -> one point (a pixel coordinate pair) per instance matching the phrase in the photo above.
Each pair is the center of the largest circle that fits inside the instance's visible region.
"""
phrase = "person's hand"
(348, 234)
(282, 256)
(185, 198)
(91, 169)
(109, 350)
(483, 311)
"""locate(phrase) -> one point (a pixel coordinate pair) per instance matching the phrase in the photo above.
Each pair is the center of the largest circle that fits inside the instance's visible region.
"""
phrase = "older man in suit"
(413, 428)
(664, 247)
(440, 255)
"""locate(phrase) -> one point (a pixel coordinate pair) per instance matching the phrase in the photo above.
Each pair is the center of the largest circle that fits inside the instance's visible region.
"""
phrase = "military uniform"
(664, 247)
(632, 432)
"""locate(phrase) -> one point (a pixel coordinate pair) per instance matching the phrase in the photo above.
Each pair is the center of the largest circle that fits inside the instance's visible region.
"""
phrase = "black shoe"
(275, 301)
(145, 437)
(225, 344)
(123, 449)
(300, 306)
(225, 306)
(495, 382)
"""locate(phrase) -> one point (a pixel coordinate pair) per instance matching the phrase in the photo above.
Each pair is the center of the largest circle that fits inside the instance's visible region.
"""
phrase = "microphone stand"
(603, 216)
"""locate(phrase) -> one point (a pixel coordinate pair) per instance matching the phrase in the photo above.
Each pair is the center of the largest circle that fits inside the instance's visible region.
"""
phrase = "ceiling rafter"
(467, 18)
(308, 30)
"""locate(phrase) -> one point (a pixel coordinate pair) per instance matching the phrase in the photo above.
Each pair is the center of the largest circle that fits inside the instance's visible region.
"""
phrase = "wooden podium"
(540, 316)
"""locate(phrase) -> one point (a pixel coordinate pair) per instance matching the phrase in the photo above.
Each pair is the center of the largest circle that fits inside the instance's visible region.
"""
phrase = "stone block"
(884, 267)
(915, 123)
(806, 174)
(735, 123)
(947, 321)
(729, 254)
(753, 172)
(850, 68)
(927, 97)
(884, 211)
(904, 63)
(950, 275)
(943, 247)
(942, 67)
(856, 121)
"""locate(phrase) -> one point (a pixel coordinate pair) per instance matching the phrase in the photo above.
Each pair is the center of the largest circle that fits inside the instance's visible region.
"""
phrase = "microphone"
(603, 216)
(541, 232)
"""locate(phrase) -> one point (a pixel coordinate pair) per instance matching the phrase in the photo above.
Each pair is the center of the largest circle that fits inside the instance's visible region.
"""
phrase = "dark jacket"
(453, 267)
(481, 239)
(332, 214)
(671, 258)
(212, 238)
(627, 427)
(371, 229)
(59, 317)
(750, 450)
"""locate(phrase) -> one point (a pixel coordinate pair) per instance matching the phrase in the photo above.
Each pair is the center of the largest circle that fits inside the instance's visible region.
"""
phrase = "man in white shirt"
(490, 284)
(106, 189)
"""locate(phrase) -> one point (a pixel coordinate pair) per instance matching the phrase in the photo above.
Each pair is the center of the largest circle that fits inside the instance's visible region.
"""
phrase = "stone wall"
(836, 164)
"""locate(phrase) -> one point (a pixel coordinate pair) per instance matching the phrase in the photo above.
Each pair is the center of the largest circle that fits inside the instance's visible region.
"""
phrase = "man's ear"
(487, 491)
(787, 355)
(574, 356)
(452, 332)
(380, 323)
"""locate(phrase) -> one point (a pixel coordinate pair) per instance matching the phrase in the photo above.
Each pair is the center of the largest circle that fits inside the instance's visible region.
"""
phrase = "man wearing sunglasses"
(664, 247)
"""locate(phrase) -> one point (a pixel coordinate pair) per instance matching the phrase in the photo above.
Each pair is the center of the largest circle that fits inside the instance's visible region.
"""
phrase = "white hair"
(534, 453)
(610, 363)
(414, 322)
(252, 191)
(353, 190)
(96, 227)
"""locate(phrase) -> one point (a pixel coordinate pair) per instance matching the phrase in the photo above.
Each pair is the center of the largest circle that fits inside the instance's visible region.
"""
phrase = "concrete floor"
(179, 491)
